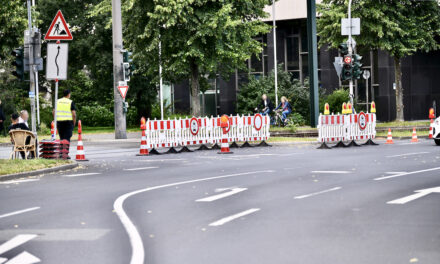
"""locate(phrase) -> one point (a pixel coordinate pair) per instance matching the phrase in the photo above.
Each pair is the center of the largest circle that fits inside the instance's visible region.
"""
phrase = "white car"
(436, 131)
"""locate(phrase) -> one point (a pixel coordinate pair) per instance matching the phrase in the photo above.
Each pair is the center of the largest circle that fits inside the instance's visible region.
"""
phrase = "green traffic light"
(18, 63)
(343, 49)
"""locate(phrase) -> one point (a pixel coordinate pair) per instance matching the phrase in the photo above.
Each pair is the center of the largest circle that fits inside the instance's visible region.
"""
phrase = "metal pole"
(56, 108)
(31, 67)
(37, 92)
(313, 62)
(275, 52)
(350, 49)
(120, 117)
(160, 80)
(368, 102)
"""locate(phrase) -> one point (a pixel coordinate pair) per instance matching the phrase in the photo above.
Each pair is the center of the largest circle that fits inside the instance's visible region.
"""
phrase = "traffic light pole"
(350, 50)
(31, 68)
(313, 62)
(120, 117)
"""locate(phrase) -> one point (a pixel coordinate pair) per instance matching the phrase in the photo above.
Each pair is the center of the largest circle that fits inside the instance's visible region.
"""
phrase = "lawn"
(19, 165)
(403, 124)
(290, 139)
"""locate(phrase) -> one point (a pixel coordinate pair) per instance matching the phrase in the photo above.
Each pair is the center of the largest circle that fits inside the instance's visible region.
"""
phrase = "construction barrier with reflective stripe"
(340, 128)
(204, 130)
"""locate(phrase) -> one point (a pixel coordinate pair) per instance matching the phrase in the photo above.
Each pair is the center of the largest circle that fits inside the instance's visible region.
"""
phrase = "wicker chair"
(19, 138)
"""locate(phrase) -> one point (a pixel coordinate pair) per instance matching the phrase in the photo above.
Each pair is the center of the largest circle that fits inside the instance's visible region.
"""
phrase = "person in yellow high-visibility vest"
(66, 116)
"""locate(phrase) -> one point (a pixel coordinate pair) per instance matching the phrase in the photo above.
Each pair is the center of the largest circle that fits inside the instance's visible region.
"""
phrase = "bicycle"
(278, 120)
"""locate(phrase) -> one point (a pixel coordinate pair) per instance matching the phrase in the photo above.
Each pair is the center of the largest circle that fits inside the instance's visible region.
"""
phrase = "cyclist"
(266, 105)
(284, 107)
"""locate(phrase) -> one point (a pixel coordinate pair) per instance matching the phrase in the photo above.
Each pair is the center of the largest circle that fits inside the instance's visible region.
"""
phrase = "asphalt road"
(285, 204)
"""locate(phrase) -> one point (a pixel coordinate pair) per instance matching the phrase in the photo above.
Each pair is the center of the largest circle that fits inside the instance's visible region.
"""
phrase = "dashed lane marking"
(19, 181)
(233, 217)
(82, 174)
(407, 154)
(331, 172)
(216, 197)
(19, 212)
(405, 174)
(317, 193)
(144, 168)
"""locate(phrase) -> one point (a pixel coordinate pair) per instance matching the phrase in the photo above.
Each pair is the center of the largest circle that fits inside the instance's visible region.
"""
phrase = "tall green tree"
(198, 37)
(401, 27)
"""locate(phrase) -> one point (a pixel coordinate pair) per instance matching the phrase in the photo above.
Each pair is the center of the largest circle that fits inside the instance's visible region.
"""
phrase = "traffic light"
(357, 71)
(18, 53)
(347, 69)
(127, 65)
(343, 49)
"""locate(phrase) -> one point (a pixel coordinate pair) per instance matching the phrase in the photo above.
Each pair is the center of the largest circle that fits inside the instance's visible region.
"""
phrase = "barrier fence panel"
(193, 131)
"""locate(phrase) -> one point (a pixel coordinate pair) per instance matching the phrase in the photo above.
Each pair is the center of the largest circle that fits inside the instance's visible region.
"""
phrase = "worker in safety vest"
(66, 116)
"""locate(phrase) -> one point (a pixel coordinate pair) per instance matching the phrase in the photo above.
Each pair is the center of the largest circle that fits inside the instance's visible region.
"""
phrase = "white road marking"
(2, 260)
(222, 195)
(24, 258)
(82, 174)
(395, 172)
(19, 212)
(19, 181)
(161, 160)
(144, 168)
(406, 173)
(317, 193)
(407, 154)
(331, 172)
(58, 235)
(138, 254)
(417, 195)
(15, 242)
(233, 217)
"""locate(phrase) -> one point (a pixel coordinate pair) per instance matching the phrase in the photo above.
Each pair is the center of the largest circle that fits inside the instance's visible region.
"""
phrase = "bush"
(335, 100)
(95, 116)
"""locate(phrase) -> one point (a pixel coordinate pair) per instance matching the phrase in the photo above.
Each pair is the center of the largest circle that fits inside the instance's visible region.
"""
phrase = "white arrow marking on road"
(331, 172)
(82, 174)
(406, 173)
(138, 253)
(19, 212)
(24, 258)
(233, 217)
(316, 193)
(407, 154)
(19, 181)
(145, 168)
(417, 195)
(2, 260)
(15, 242)
(222, 195)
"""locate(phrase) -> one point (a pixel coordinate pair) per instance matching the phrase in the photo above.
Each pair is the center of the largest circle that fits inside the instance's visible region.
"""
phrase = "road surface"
(285, 204)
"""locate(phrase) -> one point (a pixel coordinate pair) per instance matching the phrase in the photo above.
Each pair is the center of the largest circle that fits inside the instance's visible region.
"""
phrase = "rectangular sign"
(56, 63)
(355, 26)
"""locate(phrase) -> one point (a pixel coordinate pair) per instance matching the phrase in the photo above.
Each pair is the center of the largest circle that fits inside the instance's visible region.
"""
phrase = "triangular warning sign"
(123, 91)
(58, 30)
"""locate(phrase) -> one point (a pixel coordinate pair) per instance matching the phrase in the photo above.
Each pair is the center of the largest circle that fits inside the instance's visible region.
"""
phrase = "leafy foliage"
(335, 100)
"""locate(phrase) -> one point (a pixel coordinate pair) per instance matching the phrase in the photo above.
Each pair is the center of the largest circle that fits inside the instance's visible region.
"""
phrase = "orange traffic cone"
(52, 130)
(144, 149)
(414, 136)
(80, 154)
(430, 128)
(224, 123)
(389, 137)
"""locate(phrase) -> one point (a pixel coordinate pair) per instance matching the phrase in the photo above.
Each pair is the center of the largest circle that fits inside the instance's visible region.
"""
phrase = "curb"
(38, 172)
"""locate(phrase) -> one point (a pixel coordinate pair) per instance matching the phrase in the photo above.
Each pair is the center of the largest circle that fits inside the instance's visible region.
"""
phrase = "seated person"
(16, 125)
(285, 108)
(24, 117)
(266, 105)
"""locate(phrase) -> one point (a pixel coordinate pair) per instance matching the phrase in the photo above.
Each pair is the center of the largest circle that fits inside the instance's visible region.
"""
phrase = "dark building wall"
(182, 97)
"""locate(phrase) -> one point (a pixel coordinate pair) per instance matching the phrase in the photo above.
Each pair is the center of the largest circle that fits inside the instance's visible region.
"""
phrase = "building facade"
(420, 71)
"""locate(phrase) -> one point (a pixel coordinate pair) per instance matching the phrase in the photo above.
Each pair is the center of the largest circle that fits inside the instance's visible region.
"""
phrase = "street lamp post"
(275, 52)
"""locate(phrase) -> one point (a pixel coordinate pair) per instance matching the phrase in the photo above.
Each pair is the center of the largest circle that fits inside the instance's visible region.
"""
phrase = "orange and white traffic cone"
(430, 128)
(389, 137)
(144, 149)
(224, 123)
(80, 154)
(52, 130)
(414, 136)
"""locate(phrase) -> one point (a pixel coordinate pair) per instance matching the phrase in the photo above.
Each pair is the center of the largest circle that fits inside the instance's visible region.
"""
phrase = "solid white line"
(2, 260)
(24, 258)
(161, 160)
(19, 181)
(222, 195)
(19, 212)
(395, 172)
(138, 254)
(407, 154)
(316, 193)
(15, 242)
(331, 172)
(233, 217)
(145, 168)
(82, 174)
(404, 174)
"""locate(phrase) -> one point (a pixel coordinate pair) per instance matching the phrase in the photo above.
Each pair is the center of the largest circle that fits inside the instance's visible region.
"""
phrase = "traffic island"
(14, 169)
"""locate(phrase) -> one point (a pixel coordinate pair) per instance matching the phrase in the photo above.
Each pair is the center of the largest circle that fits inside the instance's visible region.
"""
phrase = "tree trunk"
(399, 89)
(195, 89)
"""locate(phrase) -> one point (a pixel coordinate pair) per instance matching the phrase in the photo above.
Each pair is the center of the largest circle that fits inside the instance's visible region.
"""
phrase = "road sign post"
(366, 76)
